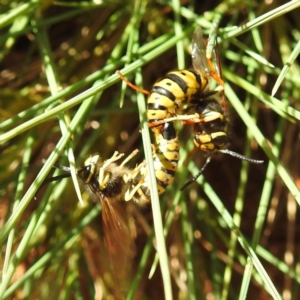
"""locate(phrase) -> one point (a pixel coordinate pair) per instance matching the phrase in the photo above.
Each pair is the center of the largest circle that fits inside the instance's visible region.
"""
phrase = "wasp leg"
(209, 117)
(176, 118)
(188, 119)
(214, 74)
(132, 85)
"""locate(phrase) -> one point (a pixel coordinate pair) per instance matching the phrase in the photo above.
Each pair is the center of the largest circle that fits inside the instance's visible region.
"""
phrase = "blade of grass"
(132, 34)
(230, 224)
(276, 105)
(286, 68)
(21, 10)
(44, 171)
(107, 69)
(155, 204)
(6, 271)
(53, 81)
(46, 258)
(251, 53)
(265, 18)
(51, 113)
(289, 182)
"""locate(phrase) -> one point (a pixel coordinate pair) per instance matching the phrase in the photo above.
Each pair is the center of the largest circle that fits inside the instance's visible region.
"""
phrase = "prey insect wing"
(118, 241)
(117, 235)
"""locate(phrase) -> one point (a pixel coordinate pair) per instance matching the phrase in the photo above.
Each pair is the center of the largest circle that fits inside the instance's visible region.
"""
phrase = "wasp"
(185, 95)
(170, 94)
(176, 89)
(109, 182)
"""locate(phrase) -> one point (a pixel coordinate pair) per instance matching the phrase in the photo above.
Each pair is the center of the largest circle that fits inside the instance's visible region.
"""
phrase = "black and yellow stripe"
(211, 134)
(172, 92)
(165, 156)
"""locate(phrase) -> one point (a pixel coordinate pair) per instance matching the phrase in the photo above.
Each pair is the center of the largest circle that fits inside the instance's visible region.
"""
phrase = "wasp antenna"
(59, 167)
(55, 178)
(240, 156)
(197, 175)
(51, 179)
(63, 168)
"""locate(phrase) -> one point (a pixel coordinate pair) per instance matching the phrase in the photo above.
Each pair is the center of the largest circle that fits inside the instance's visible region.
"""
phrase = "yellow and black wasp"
(185, 95)
(169, 96)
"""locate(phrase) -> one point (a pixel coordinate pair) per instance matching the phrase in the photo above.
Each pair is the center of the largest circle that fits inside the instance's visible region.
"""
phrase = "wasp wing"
(199, 52)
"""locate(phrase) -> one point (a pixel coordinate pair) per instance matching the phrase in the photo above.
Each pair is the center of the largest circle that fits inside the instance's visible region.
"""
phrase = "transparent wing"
(118, 241)
(199, 52)
(212, 52)
(216, 61)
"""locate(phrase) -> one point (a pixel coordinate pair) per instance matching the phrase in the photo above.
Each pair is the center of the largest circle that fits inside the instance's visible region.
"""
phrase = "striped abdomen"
(172, 92)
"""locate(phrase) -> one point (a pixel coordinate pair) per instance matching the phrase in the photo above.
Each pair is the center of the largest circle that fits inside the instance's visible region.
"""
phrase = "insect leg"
(131, 192)
(132, 85)
(175, 118)
(129, 157)
(102, 179)
(197, 175)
